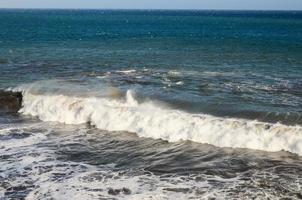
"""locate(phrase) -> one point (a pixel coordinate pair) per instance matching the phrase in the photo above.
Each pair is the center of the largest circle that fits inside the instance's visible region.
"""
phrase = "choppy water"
(150, 104)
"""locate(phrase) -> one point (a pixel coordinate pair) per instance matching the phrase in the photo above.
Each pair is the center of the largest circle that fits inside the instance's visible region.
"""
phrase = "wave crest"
(148, 119)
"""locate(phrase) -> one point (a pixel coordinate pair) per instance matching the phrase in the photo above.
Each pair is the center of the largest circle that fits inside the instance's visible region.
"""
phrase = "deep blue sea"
(150, 104)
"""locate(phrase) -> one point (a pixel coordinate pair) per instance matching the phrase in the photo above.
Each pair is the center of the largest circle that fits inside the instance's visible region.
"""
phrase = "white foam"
(35, 164)
(179, 83)
(126, 71)
(13, 143)
(153, 121)
(31, 164)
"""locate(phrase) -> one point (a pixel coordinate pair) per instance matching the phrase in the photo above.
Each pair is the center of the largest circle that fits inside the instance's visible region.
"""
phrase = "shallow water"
(43, 160)
(150, 104)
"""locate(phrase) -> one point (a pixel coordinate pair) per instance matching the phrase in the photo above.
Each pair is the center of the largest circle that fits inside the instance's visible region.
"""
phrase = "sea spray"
(149, 120)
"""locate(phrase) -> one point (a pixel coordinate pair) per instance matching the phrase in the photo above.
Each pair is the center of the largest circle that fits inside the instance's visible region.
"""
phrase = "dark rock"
(114, 191)
(126, 191)
(267, 126)
(10, 101)
(299, 195)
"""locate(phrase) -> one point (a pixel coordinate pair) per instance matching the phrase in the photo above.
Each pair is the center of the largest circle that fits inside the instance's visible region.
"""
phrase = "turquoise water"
(234, 76)
(231, 63)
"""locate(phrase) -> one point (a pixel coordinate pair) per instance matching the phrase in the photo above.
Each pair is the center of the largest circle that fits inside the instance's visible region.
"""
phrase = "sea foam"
(148, 119)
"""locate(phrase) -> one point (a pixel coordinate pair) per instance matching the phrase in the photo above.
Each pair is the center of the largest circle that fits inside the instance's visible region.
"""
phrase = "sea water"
(144, 104)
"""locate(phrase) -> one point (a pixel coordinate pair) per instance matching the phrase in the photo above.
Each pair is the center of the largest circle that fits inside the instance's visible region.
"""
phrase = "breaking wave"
(152, 120)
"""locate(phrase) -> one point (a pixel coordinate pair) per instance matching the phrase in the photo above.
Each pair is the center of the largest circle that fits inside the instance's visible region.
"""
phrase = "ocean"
(150, 104)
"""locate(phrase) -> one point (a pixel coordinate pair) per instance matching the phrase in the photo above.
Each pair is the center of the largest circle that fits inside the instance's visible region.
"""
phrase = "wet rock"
(10, 101)
(114, 191)
(267, 126)
(299, 195)
(126, 191)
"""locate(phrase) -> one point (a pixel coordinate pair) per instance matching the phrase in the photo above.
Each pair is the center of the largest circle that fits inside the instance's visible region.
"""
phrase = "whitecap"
(150, 120)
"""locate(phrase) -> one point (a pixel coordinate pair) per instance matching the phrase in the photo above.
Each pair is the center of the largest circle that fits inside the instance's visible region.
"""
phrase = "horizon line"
(155, 9)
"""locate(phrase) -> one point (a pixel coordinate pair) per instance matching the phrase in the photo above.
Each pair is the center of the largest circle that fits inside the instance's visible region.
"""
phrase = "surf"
(151, 119)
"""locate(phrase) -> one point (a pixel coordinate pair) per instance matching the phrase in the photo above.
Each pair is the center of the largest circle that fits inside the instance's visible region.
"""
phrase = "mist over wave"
(151, 119)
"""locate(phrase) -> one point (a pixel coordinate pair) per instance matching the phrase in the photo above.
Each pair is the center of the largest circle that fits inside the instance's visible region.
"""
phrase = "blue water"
(231, 63)
(241, 64)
